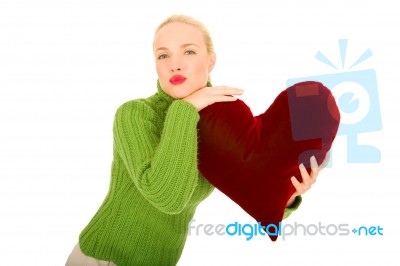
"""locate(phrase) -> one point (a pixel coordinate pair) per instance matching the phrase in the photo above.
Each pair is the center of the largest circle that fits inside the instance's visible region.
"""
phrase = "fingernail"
(314, 161)
(301, 165)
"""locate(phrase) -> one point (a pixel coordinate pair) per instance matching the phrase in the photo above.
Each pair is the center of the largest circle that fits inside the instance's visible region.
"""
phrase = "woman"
(155, 184)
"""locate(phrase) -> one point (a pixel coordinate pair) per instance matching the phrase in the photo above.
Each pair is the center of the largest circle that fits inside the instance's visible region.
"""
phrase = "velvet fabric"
(252, 158)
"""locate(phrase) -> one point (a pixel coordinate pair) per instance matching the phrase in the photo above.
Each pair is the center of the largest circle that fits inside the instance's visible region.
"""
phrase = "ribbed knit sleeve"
(163, 167)
(295, 205)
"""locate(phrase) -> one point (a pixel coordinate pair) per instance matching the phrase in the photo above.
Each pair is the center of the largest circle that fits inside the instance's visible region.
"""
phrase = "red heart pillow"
(252, 158)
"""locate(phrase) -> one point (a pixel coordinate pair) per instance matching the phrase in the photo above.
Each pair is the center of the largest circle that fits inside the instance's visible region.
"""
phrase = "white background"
(65, 66)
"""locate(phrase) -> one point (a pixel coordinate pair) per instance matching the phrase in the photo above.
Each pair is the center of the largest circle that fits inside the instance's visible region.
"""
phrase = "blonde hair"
(194, 22)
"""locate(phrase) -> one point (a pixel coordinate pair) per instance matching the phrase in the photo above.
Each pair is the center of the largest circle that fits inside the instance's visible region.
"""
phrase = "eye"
(190, 52)
(163, 56)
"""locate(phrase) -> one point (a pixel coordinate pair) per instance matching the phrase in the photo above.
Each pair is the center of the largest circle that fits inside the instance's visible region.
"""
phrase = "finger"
(224, 98)
(326, 160)
(300, 189)
(314, 168)
(297, 185)
(306, 181)
(224, 90)
(304, 174)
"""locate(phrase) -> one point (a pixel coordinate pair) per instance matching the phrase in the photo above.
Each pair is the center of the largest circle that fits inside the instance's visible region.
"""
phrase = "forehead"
(178, 33)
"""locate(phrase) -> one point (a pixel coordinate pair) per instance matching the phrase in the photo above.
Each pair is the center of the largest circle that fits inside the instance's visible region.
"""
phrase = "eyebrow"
(182, 46)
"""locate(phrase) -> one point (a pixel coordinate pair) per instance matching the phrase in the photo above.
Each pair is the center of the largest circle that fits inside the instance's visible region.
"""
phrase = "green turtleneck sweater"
(155, 185)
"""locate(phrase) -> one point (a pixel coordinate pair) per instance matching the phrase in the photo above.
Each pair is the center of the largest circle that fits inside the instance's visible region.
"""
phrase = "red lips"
(177, 79)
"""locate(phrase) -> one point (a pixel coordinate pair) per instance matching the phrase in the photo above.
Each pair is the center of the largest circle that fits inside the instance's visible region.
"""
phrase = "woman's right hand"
(204, 97)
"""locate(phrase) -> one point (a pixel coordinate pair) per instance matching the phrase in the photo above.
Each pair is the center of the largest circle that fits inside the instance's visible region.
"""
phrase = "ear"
(212, 59)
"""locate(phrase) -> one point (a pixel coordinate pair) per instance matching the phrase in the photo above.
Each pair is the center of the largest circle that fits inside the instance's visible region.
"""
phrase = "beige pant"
(77, 258)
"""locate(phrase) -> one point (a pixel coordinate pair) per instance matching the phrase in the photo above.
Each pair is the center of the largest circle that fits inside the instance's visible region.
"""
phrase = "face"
(182, 61)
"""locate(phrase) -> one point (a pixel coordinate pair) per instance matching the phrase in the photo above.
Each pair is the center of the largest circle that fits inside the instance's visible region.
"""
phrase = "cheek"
(201, 69)
(160, 68)
(163, 75)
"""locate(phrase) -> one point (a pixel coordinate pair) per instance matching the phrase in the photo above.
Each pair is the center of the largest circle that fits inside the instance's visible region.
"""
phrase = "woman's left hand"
(308, 179)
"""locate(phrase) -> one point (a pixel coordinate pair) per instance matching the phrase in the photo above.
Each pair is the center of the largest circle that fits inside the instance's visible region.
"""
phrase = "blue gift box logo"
(356, 93)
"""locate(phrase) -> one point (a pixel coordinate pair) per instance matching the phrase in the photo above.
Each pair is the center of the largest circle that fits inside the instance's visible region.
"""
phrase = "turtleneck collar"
(168, 99)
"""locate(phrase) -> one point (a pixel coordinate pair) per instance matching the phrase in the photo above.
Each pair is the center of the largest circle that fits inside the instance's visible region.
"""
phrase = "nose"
(176, 65)
(175, 69)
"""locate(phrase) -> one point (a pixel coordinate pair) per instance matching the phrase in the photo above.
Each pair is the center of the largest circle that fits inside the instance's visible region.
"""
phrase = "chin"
(180, 93)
